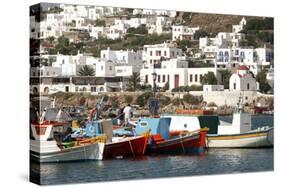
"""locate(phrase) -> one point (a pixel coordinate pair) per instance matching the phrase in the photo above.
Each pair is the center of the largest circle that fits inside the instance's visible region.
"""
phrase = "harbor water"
(214, 161)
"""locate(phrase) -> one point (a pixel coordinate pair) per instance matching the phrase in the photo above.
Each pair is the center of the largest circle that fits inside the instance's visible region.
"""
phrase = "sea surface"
(214, 161)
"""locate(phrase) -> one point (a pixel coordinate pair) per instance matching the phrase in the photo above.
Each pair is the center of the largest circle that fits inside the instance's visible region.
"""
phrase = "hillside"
(212, 23)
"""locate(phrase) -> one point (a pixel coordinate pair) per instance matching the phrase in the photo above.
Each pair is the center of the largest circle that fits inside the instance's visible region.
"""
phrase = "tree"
(225, 76)
(209, 79)
(186, 17)
(183, 44)
(100, 23)
(86, 70)
(200, 33)
(261, 78)
(134, 81)
(139, 30)
(51, 39)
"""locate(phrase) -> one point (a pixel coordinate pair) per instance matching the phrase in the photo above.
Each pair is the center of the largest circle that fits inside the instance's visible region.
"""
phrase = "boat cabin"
(52, 123)
(156, 126)
(183, 122)
(241, 123)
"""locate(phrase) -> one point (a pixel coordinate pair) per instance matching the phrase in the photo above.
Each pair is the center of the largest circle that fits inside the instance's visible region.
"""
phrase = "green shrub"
(128, 99)
(142, 99)
(190, 99)
(176, 101)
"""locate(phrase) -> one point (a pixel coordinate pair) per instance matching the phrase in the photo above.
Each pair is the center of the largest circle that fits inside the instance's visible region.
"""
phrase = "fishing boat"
(238, 134)
(120, 141)
(125, 147)
(162, 142)
(48, 145)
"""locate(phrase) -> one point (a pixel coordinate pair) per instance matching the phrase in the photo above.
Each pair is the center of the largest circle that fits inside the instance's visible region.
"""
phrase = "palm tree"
(86, 70)
(134, 81)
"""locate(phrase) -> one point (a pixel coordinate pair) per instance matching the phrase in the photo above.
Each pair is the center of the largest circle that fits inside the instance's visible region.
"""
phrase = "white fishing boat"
(239, 133)
(46, 143)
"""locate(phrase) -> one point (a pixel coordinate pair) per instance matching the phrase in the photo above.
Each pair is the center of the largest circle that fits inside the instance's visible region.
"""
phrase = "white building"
(124, 57)
(242, 80)
(123, 70)
(152, 54)
(105, 68)
(183, 32)
(70, 65)
(45, 71)
(176, 73)
(159, 25)
(95, 13)
(254, 58)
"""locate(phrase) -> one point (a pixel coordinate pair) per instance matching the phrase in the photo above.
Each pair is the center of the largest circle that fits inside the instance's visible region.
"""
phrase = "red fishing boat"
(193, 143)
(162, 142)
(122, 142)
(126, 147)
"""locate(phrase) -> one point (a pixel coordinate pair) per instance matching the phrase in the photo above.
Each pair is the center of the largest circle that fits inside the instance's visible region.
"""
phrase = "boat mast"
(153, 103)
(239, 105)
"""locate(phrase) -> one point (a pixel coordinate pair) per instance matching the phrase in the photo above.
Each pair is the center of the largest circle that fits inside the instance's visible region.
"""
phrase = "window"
(150, 53)
(190, 77)
(234, 86)
(201, 77)
(76, 89)
(63, 61)
(143, 124)
(163, 78)
(173, 53)
(151, 61)
(34, 73)
(248, 86)
(103, 55)
(47, 73)
(93, 89)
(146, 78)
(168, 78)
(165, 53)
(195, 77)
(158, 78)
(124, 58)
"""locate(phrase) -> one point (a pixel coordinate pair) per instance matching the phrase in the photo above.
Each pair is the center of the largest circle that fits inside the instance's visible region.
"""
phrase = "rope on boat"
(182, 144)
(131, 147)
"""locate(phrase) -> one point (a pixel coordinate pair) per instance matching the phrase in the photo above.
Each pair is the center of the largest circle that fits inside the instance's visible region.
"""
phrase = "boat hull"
(131, 147)
(247, 140)
(190, 144)
(44, 153)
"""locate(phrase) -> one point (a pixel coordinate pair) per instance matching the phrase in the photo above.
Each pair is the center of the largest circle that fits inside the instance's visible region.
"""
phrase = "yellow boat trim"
(230, 137)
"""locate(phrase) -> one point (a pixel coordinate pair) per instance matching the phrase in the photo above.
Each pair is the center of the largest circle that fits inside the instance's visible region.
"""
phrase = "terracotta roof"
(243, 67)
